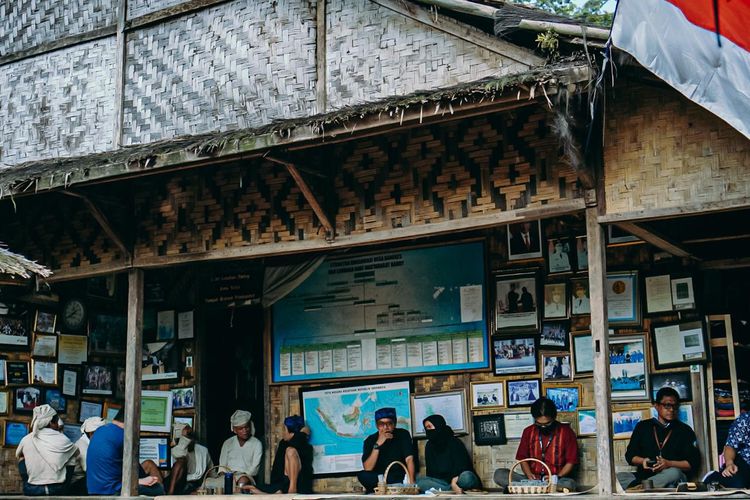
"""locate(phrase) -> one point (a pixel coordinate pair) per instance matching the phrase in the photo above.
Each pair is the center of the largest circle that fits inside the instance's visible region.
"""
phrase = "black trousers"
(739, 480)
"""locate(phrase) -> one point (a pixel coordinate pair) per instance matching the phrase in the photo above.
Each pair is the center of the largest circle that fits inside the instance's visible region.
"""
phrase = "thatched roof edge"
(18, 265)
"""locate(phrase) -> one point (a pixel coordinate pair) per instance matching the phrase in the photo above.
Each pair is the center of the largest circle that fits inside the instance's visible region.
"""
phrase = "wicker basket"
(217, 488)
(528, 489)
(396, 489)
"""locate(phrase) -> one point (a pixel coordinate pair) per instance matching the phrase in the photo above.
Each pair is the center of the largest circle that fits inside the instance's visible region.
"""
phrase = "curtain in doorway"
(278, 281)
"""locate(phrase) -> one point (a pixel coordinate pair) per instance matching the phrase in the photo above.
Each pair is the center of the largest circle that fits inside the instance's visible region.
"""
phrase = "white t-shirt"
(241, 459)
(198, 461)
(83, 448)
(47, 456)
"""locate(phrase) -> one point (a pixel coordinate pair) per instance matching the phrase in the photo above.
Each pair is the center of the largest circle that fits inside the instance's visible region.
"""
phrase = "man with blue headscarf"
(389, 444)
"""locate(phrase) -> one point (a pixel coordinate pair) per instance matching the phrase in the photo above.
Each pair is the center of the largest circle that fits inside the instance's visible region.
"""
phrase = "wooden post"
(133, 384)
(600, 339)
(120, 71)
(321, 90)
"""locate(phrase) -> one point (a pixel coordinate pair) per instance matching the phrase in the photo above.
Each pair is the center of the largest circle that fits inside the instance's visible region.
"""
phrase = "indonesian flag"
(700, 47)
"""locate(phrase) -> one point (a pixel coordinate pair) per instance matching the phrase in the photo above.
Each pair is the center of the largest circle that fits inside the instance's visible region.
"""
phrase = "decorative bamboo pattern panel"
(25, 24)
(58, 104)
(137, 8)
(375, 53)
(663, 151)
(237, 65)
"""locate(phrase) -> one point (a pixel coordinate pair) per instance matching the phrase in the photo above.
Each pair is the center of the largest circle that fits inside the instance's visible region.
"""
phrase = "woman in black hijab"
(448, 463)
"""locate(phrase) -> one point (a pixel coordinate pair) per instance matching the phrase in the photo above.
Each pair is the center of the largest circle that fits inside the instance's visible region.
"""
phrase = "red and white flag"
(700, 47)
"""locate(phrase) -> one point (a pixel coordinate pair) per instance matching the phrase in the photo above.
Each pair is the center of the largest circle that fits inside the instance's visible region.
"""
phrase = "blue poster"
(404, 311)
(14, 432)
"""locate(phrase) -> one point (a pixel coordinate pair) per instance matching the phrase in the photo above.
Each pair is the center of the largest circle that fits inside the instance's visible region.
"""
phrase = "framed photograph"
(183, 398)
(559, 255)
(165, 329)
(555, 335)
(617, 236)
(161, 361)
(73, 349)
(679, 381)
(13, 432)
(582, 347)
(72, 432)
(25, 399)
(89, 409)
(70, 382)
(45, 322)
(14, 333)
(489, 430)
(107, 334)
(3, 373)
(516, 422)
(556, 367)
(97, 379)
(515, 355)
(43, 372)
(555, 300)
(582, 253)
(515, 298)
(120, 381)
(156, 411)
(45, 346)
(185, 325)
(566, 397)
(56, 400)
(627, 366)
(156, 449)
(586, 422)
(450, 404)
(17, 372)
(683, 296)
(658, 293)
(523, 392)
(623, 422)
(4, 402)
(684, 414)
(111, 410)
(524, 240)
(487, 395)
(580, 299)
(679, 344)
(623, 306)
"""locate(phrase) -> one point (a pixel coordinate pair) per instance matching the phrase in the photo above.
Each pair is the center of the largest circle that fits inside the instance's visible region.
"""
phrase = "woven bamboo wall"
(662, 151)
(28, 23)
(237, 65)
(396, 55)
(138, 8)
(58, 104)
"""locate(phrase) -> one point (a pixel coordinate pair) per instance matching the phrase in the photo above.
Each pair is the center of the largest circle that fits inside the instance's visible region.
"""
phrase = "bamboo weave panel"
(137, 8)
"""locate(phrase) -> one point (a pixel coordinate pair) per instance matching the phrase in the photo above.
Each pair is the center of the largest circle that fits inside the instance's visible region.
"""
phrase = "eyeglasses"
(669, 406)
(385, 423)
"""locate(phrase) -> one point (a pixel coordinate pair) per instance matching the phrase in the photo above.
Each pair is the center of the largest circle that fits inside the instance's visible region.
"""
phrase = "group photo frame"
(567, 397)
(487, 395)
(556, 367)
(515, 355)
(14, 333)
(555, 335)
(628, 365)
(523, 392)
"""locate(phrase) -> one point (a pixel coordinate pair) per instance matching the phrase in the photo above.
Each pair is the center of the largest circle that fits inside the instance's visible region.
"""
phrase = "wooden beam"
(655, 239)
(133, 363)
(121, 55)
(88, 271)
(600, 338)
(171, 12)
(103, 222)
(321, 57)
(61, 43)
(565, 29)
(465, 7)
(699, 208)
(726, 263)
(464, 32)
(728, 237)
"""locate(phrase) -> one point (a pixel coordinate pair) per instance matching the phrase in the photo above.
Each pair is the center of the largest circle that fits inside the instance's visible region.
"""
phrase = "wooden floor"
(488, 496)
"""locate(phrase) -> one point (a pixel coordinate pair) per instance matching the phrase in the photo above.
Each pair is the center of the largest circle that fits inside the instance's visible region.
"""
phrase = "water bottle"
(228, 483)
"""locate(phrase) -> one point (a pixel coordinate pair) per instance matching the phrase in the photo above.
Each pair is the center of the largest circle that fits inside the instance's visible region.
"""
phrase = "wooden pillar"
(321, 90)
(133, 383)
(600, 339)
(120, 71)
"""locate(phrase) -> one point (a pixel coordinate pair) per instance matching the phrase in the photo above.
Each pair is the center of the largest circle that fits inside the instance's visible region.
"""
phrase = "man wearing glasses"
(387, 445)
(663, 449)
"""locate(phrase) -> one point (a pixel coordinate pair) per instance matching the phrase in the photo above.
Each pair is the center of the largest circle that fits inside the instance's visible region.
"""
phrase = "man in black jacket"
(663, 448)
(387, 445)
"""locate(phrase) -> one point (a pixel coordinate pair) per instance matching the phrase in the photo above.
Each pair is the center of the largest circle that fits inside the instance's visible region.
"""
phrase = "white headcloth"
(42, 416)
(239, 418)
(91, 424)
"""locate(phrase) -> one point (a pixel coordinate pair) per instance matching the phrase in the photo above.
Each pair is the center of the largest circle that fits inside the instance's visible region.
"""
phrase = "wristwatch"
(376, 446)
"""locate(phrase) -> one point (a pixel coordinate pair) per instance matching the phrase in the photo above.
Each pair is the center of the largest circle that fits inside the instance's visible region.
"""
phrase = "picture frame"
(165, 325)
(582, 253)
(516, 355)
(580, 297)
(43, 372)
(516, 422)
(70, 382)
(111, 409)
(556, 366)
(683, 293)
(14, 333)
(680, 381)
(523, 392)
(13, 432)
(524, 240)
(25, 399)
(555, 335)
(586, 422)
(658, 291)
(45, 322)
(17, 372)
(617, 236)
(56, 400)
(120, 381)
(183, 398)
(628, 365)
(450, 404)
(582, 348)
(97, 379)
(487, 395)
(566, 397)
(89, 409)
(156, 411)
(624, 421)
(3, 372)
(559, 255)
(161, 361)
(45, 346)
(102, 287)
(107, 334)
(4, 402)
(72, 349)
(623, 304)
(72, 432)
(684, 414)
(678, 344)
(516, 306)
(155, 449)
(489, 430)
(555, 300)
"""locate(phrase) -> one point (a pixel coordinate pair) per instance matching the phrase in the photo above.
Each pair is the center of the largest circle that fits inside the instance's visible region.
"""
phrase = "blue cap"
(294, 423)
(385, 413)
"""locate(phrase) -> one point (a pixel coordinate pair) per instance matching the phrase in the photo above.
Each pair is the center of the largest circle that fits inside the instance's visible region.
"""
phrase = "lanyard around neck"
(661, 444)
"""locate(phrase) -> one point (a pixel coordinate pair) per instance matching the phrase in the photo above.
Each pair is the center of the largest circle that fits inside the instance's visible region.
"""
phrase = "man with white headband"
(45, 455)
(78, 483)
(242, 452)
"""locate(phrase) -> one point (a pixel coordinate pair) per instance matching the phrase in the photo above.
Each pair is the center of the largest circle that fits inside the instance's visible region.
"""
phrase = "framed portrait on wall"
(45, 322)
(555, 300)
(582, 253)
(580, 299)
(515, 300)
(556, 366)
(524, 240)
(627, 366)
(25, 399)
(559, 255)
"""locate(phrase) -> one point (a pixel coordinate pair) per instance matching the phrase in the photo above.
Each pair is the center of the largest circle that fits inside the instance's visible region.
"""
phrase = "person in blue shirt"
(104, 463)
(736, 470)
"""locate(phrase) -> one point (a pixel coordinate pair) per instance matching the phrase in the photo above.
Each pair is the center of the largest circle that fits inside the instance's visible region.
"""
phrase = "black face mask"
(546, 429)
(431, 433)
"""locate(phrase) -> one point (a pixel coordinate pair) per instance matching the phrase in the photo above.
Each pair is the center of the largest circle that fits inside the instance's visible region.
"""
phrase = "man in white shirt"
(191, 463)
(242, 452)
(78, 482)
(45, 455)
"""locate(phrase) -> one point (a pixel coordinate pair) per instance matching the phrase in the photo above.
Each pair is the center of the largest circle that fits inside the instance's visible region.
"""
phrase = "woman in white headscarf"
(45, 454)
